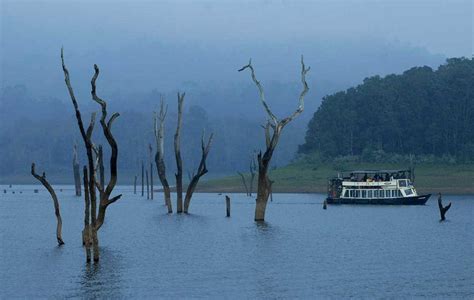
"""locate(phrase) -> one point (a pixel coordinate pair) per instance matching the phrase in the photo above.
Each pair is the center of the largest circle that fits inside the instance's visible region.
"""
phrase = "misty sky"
(33, 31)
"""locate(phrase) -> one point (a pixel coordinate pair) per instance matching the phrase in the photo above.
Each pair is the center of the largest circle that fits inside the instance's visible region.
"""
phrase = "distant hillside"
(420, 112)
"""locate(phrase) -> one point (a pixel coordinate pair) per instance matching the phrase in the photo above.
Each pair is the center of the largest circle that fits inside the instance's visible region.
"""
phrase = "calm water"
(302, 251)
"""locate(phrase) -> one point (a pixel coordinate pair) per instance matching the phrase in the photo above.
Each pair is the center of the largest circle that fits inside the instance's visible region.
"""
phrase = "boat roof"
(375, 171)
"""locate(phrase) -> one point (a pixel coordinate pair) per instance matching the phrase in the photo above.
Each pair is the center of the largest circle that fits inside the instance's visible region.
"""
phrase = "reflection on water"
(300, 251)
(99, 277)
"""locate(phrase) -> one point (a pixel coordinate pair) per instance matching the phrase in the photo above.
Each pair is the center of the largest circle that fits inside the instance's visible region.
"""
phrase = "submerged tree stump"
(143, 182)
(147, 186)
(325, 204)
(227, 205)
(135, 185)
(442, 210)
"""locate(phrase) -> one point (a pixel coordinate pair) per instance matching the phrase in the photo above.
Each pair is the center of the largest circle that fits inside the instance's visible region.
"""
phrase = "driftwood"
(159, 129)
(50, 189)
(244, 183)
(276, 126)
(200, 172)
(76, 171)
(442, 210)
(177, 153)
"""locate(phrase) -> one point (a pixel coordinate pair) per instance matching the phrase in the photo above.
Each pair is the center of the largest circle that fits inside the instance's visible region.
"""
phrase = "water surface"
(301, 251)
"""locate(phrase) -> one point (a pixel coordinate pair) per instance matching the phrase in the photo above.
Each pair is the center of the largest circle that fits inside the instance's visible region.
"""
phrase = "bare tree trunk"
(143, 182)
(227, 205)
(177, 152)
(135, 185)
(86, 136)
(442, 210)
(200, 172)
(264, 184)
(160, 152)
(77, 175)
(105, 200)
(50, 189)
(253, 171)
(244, 183)
(151, 171)
(86, 233)
(271, 190)
(101, 166)
(147, 186)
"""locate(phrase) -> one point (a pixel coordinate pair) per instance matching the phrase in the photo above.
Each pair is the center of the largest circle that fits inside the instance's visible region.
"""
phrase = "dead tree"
(135, 185)
(253, 171)
(200, 172)
(97, 219)
(160, 152)
(77, 175)
(86, 136)
(106, 198)
(150, 148)
(86, 233)
(100, 161)
(143, 182)
(227, 205)
(244, 183)
(442, 210)
(276, 126)
(177, 153)
(50, 189)
(147, 186)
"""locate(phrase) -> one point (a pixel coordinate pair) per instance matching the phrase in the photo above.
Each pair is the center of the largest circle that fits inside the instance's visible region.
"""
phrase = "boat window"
(387, 194)
(357, 195)
(394, 193)
(408, 192)
(364, 194)
(369, 194)
(402, 183)
(346, 193)
(352, 193)
(399, 193)
(381, 193)
(409, 182)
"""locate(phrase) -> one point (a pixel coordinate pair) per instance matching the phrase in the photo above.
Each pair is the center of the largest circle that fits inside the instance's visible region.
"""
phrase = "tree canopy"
(420, 112)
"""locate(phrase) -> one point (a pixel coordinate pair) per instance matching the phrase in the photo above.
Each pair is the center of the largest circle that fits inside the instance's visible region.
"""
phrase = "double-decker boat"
(392, 187)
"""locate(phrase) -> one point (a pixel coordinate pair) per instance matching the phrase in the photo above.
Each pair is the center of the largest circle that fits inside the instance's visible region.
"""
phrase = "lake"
(302, 251)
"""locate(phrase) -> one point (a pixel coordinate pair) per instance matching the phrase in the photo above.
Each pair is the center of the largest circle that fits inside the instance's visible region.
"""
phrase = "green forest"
(422, 112)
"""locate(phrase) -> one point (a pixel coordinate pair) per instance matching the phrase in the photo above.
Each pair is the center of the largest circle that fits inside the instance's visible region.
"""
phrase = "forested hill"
(420, 112)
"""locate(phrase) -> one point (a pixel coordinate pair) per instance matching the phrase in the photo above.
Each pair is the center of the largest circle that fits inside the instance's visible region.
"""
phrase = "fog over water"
(148, 48)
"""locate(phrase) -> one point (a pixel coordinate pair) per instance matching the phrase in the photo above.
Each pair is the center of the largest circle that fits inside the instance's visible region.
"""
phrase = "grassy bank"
(305, 178)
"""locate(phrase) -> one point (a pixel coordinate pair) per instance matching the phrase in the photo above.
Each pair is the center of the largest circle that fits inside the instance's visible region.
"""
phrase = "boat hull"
(415, 200)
